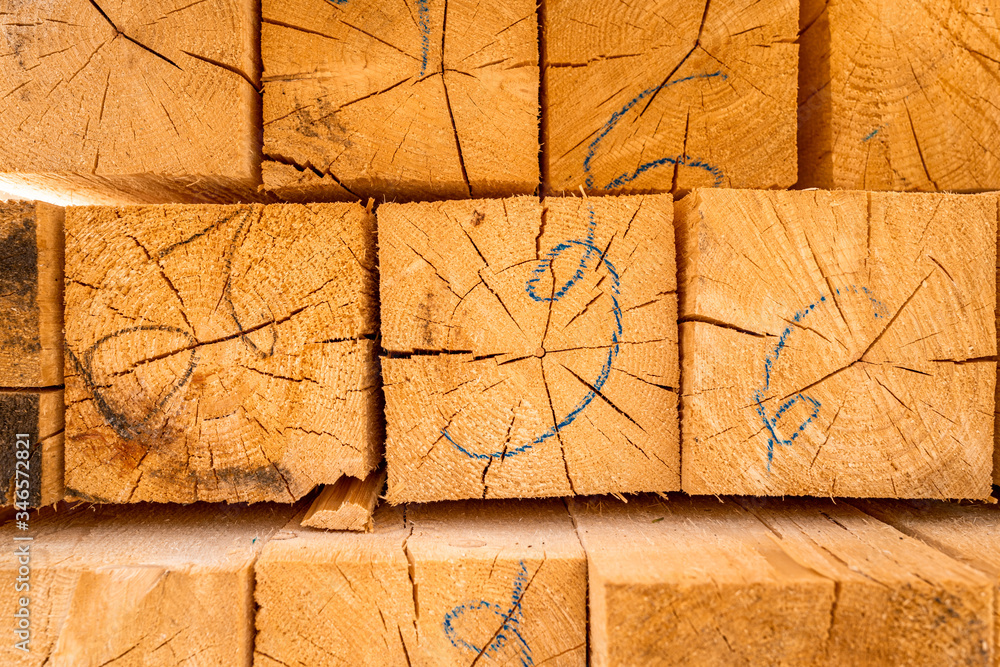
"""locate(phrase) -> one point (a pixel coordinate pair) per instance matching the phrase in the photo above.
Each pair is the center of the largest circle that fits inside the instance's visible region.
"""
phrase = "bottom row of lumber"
(655, 581)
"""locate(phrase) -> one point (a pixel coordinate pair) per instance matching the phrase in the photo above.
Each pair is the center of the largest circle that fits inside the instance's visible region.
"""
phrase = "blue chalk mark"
(771, 424)
(871, 135)
(509, 631)
(542, 266)
(679, 160)
(589, 250)
(424, 17)
(617, 116)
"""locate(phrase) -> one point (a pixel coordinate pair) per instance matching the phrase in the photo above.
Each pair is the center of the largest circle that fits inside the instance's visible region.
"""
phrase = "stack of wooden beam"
(666, 333)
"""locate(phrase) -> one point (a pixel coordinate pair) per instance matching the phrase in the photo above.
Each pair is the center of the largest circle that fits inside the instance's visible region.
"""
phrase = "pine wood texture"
(31, 294)
(837, 343)
(967, 533)
(660, 96)
(444, 584)
(32, 473)
(532, 347)
(898, 601)
(402, 100)
(219, 352)
(140, 585)
(692, 581)
(348, 504)
(289, 183)
(112, 102)
(326, 597)
(900, 95)
(696, 581)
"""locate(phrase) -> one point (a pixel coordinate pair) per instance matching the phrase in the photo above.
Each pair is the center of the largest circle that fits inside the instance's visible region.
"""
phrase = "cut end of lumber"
(221, 353)
(401, 101)
(531, 347)
(838, 343)
(899, 95)
(153, 582)
(639, 99)
(147, 104)
(497, 581)
(772, 581)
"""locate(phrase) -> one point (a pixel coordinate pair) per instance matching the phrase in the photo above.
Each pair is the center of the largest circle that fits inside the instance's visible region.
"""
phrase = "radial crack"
(697, 43)
(555, 425)
(724, 325)
(604, 398)
(134, 41)
(229, 68)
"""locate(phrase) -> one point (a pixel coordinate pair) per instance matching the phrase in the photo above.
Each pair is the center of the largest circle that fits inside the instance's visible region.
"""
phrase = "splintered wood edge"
(348, 504)
(294, 183)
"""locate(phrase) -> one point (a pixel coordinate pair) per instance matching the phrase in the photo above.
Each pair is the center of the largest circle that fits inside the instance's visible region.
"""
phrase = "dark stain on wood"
(142, 424)
(19, 279)
(19, 415)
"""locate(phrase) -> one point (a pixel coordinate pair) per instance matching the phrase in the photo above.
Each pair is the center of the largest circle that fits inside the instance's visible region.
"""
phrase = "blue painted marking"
(589, 250)
(510, 631)
(771, 424)
(424, 17)
(871, 135)
(542, 266)
(617, 116)
(679, 160)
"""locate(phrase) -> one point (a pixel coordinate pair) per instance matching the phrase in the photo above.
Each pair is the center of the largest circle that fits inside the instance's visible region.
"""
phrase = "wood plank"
(698, 581)
(900, 95)
(31, 294)
(139, 585)
(31, 353)
(899, 601)
(838, 343)
(694, 581)
(660, 96)
(347, 504)
(219, 352)
(31, 459)
(111, 103)
(531, 347)
(400, 100)
(968, 533)
(443, 584)
(348, 594)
